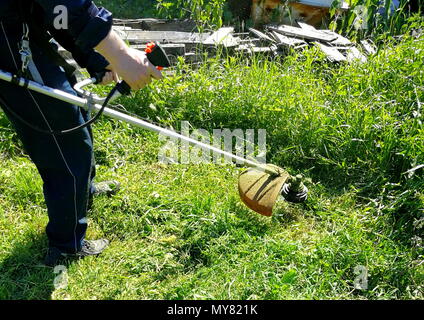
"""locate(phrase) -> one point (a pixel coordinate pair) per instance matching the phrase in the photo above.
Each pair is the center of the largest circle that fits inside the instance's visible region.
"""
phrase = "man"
(65, 162)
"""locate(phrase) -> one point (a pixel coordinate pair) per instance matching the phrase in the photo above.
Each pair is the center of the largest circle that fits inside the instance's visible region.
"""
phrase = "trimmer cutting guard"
(260, 190)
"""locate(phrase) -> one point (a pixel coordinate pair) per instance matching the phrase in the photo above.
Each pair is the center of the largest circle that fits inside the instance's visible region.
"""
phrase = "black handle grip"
(157, 56)
(123, 88)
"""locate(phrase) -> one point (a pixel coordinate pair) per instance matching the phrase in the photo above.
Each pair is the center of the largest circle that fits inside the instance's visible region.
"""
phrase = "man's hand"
(135, 68)
(110, 77)
(131, 65)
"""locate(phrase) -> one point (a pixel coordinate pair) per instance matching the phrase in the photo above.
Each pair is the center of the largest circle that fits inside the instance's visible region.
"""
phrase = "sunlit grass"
(181, 232)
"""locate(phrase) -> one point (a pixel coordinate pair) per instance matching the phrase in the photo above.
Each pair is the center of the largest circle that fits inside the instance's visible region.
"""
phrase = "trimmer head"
(260, 190)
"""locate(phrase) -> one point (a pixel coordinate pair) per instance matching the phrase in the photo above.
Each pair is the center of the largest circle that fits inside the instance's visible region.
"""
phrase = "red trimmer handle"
(157, 56)
(150, 47)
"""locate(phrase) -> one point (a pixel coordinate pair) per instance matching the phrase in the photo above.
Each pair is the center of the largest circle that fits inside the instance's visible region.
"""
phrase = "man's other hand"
(110, 77)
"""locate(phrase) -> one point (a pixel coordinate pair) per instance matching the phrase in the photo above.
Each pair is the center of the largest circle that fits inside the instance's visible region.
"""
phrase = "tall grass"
(356, 113)
(208, 13)
(372, 18)
(180, 231)
(348, 126)
(365, 18)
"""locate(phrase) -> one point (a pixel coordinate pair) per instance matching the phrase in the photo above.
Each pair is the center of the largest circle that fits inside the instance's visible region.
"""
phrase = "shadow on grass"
(22, 274)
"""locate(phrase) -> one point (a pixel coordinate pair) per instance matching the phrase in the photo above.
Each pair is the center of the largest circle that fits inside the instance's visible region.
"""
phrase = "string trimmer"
(259, 186)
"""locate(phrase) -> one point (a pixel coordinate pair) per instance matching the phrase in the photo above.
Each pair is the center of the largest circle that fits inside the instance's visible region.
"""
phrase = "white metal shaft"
(81, 102)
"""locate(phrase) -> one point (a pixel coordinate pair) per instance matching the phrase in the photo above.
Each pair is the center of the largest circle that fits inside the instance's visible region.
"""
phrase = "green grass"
(181, 232)
(130, 9)
(202, 11)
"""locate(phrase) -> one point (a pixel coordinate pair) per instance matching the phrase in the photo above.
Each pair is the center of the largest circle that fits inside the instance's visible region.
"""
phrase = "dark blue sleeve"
(89, 59)
(87, 24)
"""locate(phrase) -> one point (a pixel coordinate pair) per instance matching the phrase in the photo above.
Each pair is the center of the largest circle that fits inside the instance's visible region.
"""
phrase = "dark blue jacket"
(88, 25)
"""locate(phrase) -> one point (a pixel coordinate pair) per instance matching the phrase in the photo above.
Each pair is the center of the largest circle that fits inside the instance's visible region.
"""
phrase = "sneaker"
(89, 248)
(92, 247)
(108, 188)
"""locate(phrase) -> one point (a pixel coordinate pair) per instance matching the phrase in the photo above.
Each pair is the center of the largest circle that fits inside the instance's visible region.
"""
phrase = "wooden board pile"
(180, 38)
(283, 38)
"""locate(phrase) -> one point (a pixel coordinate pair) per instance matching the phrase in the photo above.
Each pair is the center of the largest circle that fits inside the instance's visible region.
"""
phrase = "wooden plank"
(261, 49)
(287, 41)
(250, 40)
(340, 40)
(303, 34)
(169, 25)
(368, 47)
(244, 47)
(341, 48)
(152, 24)
(192, 57)
(140, 36)
(354, 54)
(251, 49)
(262, 35)
(305, 26)
(331, 53)
(131, 23)
(121, 28)
(223, 36)
(241, 34)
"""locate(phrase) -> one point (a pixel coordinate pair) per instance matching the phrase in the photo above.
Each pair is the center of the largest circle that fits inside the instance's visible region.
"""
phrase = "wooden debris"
(302, 33)
(151, 24)
(192, 57)
(305, 26)
(283, 37)
(354, 54)
(248, 49)
(261, 35)
(340, 40)
(140, 36)
(287, 41)
(332, 53)
(369, 47)
(223, 37)
(336, 47)
(178, 40)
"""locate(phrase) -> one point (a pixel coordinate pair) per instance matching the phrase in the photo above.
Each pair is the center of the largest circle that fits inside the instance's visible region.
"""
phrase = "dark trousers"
(65, 162)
